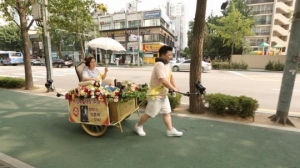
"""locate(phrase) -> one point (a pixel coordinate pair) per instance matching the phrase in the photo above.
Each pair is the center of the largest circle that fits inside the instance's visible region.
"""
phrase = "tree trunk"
(232, 47)
(82, 48)
(59, 51)
(196, 102)
(27, 62)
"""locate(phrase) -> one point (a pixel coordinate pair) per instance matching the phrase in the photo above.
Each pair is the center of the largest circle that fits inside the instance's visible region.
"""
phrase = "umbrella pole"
(96, 55)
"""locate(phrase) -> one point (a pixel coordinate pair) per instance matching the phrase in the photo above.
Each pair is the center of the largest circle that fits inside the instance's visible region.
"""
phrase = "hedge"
(9, 82)
(226, 65)
(222, 104)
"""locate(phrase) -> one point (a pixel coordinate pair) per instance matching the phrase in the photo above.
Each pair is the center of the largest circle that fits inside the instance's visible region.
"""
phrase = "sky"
(116, 5)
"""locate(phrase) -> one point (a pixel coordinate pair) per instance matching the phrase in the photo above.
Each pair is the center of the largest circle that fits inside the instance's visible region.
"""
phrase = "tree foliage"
(74, 16)
(233, 28)
(10, 38)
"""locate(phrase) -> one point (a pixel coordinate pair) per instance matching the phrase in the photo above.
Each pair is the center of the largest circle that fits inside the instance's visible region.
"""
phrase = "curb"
(9, 162)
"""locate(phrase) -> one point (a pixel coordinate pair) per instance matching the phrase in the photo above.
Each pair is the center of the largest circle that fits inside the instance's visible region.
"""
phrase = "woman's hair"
(88, 61)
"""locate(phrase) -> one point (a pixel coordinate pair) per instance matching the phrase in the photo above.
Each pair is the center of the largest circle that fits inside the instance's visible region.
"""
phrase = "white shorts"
(158, 105)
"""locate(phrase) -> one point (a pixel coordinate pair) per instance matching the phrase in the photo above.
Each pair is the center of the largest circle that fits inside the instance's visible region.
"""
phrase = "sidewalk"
(35, 129)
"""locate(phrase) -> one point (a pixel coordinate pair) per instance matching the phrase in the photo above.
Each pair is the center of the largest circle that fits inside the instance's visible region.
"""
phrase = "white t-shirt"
(91, 73)
(160, 70)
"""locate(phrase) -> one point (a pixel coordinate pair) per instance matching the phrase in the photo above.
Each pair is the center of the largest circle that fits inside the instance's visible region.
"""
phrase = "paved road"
(263, 86)
(36, 130)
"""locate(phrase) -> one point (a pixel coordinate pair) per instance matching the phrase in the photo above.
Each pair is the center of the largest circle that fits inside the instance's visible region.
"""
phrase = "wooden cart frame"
(118, 111)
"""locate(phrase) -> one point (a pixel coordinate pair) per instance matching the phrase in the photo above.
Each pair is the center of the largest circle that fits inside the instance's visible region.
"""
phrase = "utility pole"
(47, 45)
(290, 70)
(138, 32)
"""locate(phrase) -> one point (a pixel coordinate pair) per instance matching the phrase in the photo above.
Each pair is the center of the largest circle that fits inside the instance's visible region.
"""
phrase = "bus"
(11, 58)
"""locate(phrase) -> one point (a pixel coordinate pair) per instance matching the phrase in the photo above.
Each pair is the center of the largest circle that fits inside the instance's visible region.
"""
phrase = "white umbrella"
(106, 44)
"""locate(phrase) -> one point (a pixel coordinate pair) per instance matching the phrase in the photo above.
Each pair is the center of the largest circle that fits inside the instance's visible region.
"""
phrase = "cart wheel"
(94, 130)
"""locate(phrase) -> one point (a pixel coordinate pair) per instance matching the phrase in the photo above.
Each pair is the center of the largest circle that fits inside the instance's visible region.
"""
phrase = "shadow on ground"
(35, 129)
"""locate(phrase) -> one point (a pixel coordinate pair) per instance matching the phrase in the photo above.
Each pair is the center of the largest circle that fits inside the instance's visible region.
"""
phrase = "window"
(105, 27)
(152, 22)
(134, 23)
(187, 61)
(266, 19)
(151, 37)
(120, 25)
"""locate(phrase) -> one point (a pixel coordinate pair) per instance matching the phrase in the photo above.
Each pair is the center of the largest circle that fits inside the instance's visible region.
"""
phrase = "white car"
(185, 66)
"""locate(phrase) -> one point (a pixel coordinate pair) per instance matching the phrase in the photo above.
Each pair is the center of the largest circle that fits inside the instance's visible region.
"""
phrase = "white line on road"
(241, 75)
(293, 90)
(10, 76)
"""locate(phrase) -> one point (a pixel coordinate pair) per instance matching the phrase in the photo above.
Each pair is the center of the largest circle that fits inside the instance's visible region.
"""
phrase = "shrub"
(234, 105)
(269, 66)
(9, 82)
(274, 66)
(278, 66)
(247, 106)
(101, 64)
(174, 101)
(233, 65)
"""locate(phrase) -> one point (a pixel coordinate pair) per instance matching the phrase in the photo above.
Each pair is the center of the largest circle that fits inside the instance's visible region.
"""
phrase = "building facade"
(273, 24)
(143, 31)
(178, 13)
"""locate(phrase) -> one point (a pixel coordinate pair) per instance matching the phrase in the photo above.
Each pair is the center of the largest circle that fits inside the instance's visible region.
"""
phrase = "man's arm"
(168, 84)
(173, 81)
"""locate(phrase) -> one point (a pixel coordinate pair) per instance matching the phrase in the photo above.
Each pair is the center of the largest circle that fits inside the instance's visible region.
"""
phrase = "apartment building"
(178, 13)
(273, 23)
(153, 28)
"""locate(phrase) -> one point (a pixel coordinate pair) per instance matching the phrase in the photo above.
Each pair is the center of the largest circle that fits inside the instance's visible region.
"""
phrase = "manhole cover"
(5, 165)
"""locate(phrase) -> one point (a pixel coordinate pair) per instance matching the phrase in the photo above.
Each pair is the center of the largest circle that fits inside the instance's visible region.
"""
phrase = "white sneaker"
(139, 130)
(174, 132)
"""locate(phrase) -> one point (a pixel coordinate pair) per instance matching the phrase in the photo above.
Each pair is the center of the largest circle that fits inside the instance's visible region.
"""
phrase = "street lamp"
(41, 17)
(138, 31)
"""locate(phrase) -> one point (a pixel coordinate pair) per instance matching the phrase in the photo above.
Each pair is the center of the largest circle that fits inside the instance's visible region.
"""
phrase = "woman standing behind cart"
(91, 73)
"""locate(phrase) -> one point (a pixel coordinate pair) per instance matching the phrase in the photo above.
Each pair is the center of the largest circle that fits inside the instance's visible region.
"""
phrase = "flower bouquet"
(123, 92)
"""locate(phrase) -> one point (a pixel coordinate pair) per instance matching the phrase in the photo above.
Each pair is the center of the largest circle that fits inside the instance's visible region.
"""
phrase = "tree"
(190, 33)
(233, 28)
(187, 52)
(22, 8)
(241, 6)
(73, 16)
(196, 103)
(10, 38)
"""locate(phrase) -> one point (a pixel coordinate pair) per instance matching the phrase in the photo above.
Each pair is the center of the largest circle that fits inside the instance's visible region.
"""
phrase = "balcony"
(258, 1)
(262, 33)
(263, 22)
(261, 12)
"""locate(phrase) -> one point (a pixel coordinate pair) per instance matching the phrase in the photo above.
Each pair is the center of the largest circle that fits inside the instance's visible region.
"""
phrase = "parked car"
(37, 62)
(61, 63)
(185, 66)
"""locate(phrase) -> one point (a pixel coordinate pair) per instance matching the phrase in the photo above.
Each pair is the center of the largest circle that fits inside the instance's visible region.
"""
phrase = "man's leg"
(166, 110)
(168, 121)
(143, 119)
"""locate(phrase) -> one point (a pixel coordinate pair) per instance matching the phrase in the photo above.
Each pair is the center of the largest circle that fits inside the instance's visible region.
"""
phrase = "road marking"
(279, 90)
(236, 73)
(10, 76)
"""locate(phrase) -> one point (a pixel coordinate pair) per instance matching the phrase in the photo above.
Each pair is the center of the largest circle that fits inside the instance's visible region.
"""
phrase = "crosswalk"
(38, 73)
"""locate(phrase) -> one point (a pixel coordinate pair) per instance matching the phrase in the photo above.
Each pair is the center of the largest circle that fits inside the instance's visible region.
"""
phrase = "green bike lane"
(35, 130)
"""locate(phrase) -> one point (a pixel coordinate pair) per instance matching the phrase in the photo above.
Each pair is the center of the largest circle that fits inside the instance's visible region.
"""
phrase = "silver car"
(185, 66)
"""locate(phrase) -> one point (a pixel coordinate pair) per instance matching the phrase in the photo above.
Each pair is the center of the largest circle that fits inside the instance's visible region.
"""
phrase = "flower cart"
(96, 108)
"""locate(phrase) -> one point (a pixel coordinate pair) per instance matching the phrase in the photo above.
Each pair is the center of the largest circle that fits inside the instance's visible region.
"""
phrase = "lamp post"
(42, 22)
(138, 31)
